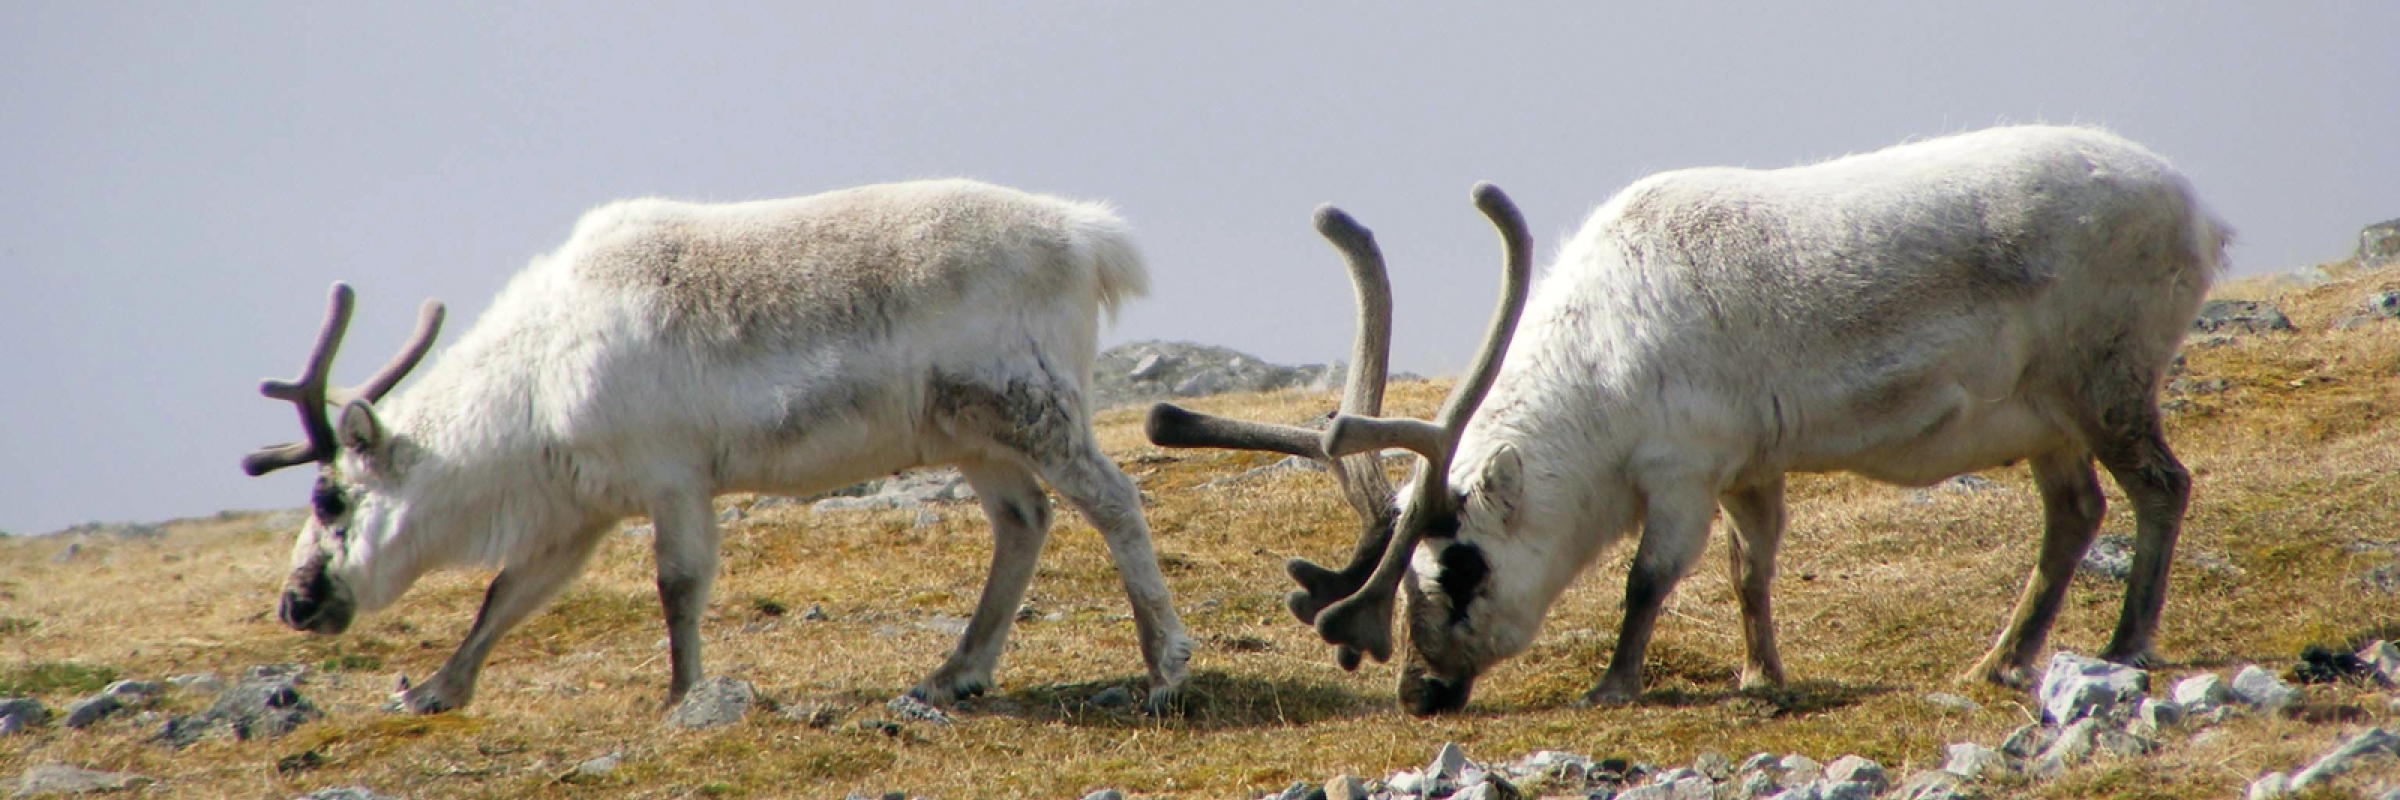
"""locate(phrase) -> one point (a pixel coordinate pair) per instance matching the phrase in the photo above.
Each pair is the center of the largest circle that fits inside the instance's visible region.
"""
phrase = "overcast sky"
(180, 182)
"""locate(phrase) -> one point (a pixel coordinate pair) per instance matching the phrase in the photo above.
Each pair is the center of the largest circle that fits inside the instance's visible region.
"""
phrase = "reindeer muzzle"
(311, 602)
(1425, 695)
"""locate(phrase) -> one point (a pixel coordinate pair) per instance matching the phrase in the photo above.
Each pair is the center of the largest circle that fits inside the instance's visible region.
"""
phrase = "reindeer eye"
(328, 502)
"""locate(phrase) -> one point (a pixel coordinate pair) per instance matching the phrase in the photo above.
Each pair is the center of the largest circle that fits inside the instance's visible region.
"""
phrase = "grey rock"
(1495, 788)
(1854, 769)
(46, 780)
(1974, 761)
(1953, 702)
(2270, 786)
(1714, 765)
(2240, 316)
(2153, 716)
(135, 692)
(908, 707)
(1299, 790)
(1449, 763)
(1111, 697)
(1205, 382)
(345, 793)
(599, 767)
(1799, 769)
(1847, 790)
(1805, 791)
(1693, 787)
(1759, 761)
(1344, 787)
(2075, 687)
(265, 705)
(2263, 690)
(1933, 785)
(1756, 785)
(1150, 367)
(11, 726)
(1105, 794)
(1289, 465)
(2073, 746)
(908, 490)
(2372, 742)
(2200, 691)
(91, 710)
(2198, 386)
(2110, 556)
(640, 531)
(198, 683)
(2384, 658)
(2385, 579)
(26, 712)
(815, 613)
(2028, 742)
(1968, 484)
(2379, 244)
(732, 515)
(716, 702)
(67, 553)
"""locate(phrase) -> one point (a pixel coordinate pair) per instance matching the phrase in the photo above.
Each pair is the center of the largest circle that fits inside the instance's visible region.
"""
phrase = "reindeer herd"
(1906, 315)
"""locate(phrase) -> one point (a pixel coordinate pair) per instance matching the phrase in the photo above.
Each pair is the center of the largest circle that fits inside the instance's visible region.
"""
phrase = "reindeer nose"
(1426, 695)
(313, 605)
(295, 610)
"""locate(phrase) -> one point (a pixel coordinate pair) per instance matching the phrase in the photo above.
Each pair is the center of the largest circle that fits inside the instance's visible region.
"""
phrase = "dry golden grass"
(1886, 593)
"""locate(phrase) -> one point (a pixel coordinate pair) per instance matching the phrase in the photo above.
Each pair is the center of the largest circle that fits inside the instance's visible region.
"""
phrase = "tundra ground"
(1885, 593)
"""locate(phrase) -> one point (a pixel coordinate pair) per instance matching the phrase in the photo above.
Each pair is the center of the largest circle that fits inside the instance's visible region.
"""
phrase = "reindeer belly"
(1949, 435)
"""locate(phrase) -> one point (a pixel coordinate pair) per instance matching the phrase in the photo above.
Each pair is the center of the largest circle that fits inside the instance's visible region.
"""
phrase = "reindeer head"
(353, 507)
(1352, 608)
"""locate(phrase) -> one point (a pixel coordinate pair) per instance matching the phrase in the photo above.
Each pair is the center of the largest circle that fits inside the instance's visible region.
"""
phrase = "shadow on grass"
(1211, 701)
(1797, 699)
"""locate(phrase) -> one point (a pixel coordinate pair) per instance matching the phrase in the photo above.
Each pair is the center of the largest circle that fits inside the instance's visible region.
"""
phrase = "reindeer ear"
(1502, 488)
(359, 429)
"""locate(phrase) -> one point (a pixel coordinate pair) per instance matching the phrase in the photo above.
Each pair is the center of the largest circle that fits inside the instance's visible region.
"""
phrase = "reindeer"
(1906, 315)
(671, 352)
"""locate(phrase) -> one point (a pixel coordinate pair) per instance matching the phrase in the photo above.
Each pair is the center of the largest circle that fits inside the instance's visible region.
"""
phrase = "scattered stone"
(91, 710)
(2271, 786)
(68, 554)
(345, 793)
(1494, 787)
(908, 707)
(1756, 785)
(1288, 465)
(1954, 702)
(2199, 692)
(1933, 785)
(716, 702)
(1854, 769)
(1150, 367)
(1968, 484)
(642, 530)
(1689, 787)
(1344, 787)
(2153, 716)
(2384, 658)
(1105, 794)
(2262, 689)
(1799, 769)
(1111, 697)
(815, 715)
(23, 713)
(198, 683)
(2385, 579)
(1974, 761)
(1449, 763)
(2379, 244)
(1759, 761)
(1714, 765)
(44, 780)
(2373, 742)
(2240, 316)
(908, 490)
(732, 515)
(2072, 747)
(11, 726)
(2028, 742)
(265, 705)
(2076, 687)
(2110, 556)
(815, 613)
(598, 767)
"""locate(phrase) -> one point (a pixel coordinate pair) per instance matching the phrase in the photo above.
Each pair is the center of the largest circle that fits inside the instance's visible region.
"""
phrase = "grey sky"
(180, 182)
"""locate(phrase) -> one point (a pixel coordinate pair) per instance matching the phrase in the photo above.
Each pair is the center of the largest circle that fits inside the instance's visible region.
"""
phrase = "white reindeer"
(670, 352)
(1906, 315)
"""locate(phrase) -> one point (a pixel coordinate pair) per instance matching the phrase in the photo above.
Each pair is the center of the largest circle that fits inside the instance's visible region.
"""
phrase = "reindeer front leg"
(520, 589)
(686, 549)
(1674, 533)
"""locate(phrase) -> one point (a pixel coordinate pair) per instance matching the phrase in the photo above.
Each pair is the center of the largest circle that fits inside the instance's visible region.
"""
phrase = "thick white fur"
(670, 351)
(1908, 315)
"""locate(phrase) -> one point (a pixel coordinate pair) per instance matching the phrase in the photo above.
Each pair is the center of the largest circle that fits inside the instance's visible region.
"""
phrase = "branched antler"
(1362, 622)
(310, 393)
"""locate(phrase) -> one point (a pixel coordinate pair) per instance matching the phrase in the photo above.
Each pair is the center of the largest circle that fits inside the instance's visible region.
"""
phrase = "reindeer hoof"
(1606, 697)
(422, 700)
(1163, 703)
(2138, 659)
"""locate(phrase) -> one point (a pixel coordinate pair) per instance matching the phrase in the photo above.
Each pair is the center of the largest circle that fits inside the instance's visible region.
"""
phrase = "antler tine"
(307, 393)
(1363, 621)
(429, 325)
(1170, 425)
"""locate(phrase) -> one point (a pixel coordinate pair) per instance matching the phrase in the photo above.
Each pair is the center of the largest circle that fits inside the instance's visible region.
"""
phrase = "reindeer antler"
(1363, 621)
(1361, 478)
(310, 394)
